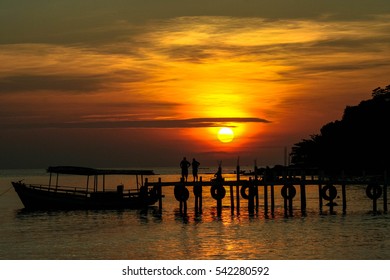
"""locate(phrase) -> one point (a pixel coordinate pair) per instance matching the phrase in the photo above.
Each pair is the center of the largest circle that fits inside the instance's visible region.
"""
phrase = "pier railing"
(252, 189)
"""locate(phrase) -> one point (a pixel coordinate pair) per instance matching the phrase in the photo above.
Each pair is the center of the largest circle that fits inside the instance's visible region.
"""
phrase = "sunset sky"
(142, 83)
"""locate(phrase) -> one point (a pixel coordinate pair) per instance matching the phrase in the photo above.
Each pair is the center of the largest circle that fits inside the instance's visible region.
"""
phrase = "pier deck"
(250, 189)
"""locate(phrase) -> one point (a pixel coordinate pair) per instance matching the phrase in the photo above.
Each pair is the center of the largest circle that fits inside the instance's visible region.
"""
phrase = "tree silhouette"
(357, 142)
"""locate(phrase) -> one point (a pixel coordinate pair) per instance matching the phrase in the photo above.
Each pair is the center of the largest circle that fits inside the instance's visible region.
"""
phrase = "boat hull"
(39, 198)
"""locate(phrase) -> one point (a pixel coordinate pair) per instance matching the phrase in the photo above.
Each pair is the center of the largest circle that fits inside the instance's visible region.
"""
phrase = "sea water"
(359, 234)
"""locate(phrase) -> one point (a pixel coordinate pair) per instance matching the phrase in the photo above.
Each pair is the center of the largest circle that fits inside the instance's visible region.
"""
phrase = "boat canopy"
(76, 170)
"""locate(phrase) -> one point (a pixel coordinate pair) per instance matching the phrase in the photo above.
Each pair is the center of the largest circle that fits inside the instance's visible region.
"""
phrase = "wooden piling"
(159, 194)
(256, 196)
(385, 191)
(196, 206)
(196, 198)
(251, 201)
(331, 206)
(180, 201)
(374, 191)
(265, 199)
(219, 207)
(238, 188)
(285, 207)
(183, 202)
(201, 197)
(272, 199)
(218, 193)
(344, 197)
(375, 200)
(303, 192)
(197, 190)
(320, 197)
(319, 191)
(290, 205)
(288, 192)
(231, 200)
(185, 207)
(256, 185)
(200, 205)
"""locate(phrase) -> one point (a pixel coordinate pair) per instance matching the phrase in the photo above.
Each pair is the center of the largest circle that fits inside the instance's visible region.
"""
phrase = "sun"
(225, 135)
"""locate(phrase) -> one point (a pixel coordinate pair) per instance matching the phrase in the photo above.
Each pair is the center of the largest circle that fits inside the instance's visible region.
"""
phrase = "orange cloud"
(297, 74)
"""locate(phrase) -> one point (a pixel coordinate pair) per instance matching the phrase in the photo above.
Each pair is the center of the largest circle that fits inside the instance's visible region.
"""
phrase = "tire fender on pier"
(217, 191)
(374, 191)
(329, 192)
(181, 193)
(251, 191)
(288, 191)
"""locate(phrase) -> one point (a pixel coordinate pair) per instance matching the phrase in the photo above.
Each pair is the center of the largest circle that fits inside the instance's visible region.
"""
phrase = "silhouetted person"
(184, 164)
(195, 166)
(218, 175)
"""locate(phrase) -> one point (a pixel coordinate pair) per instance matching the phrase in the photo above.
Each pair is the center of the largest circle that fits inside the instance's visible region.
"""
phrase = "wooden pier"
(252, 189)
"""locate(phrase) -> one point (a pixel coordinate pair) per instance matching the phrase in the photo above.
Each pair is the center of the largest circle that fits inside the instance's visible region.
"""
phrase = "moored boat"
(91, 196)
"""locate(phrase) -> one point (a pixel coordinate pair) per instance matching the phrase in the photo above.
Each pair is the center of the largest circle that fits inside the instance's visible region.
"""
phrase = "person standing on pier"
(184, 164)
(195, 166)
(218, 175)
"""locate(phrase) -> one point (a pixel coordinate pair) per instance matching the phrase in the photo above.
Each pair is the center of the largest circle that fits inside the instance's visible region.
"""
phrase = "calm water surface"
(136, 234)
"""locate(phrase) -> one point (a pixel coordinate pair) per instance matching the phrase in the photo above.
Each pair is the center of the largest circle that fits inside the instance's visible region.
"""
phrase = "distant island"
(357, 143)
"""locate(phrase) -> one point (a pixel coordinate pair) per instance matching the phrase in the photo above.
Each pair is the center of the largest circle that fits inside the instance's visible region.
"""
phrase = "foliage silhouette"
(358, 142)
